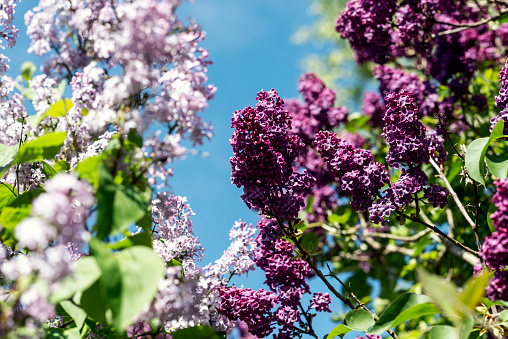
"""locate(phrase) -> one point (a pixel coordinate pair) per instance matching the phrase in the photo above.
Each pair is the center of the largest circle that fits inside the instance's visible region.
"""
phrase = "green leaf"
(94, 302)
(77, 313)
(61, 166)
(359, 320)
(7, 155)
(88, 169)
(18, 209)
(141, 239)
(197, 332)
(59, 108)
(86, 273)
(130, 279)
(309, 241)
(498, 165)
(339, 330)
(340, 219)
(27, 70)
(359, 285)
(44, 147)
(48, 171)
(474, 291)
(396, 311)
(7, 194)
(414, 312)
(475, 155)
(118, 205)
(492, 209)
(503, 317)
(445, 295)
(420, 246)
(443, 332)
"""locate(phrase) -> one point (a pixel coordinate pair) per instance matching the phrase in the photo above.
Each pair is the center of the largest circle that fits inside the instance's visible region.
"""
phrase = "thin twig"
(438, 231)
(463, 26)
(411, 238)
(452, 192)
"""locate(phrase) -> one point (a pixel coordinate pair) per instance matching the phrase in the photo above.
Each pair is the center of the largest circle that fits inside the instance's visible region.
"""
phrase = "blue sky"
(250, 44)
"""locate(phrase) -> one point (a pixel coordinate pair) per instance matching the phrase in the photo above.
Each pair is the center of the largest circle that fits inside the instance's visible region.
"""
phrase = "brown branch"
(459, 27)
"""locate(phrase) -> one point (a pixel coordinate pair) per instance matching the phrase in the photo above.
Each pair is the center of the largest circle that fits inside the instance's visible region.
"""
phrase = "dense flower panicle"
(366, 24)
(132, 54)
(251, 307)
(357, 173)
(494, 250)
(58, 214)
(317, 111)
(269, 232)
(404, 133)
(437, 150)
(380, 210)
(498, 287)
(321, 302)
(436, 195)
(502, 97)
(239, 257)
(264, 152)
(174, 238)
(373, 106)
(500, 200)
(409, 183)
(184, 301)
(395, 80)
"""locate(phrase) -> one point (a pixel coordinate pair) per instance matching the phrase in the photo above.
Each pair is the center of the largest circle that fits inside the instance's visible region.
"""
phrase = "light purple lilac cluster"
(239, 257)
(359, 176)
(494, 250)
(134, 55)
(264, 152)
(56, 224)
(174, 238)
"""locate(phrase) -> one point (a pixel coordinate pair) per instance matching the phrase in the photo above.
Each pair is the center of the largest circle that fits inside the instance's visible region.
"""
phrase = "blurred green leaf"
(7, 155)
(44, 147)
(197, 332)
(492, 209)
(443, 332)
(395, 312)
(474, 290)
(76, 312)
(27, 70)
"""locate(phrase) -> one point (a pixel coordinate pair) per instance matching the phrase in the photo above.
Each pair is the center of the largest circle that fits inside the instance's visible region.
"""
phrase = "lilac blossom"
(317, 111)
(321, 302)
(404, 133)
(44, 92)
(251, 307)
(264, 150)
(359, 176)
(373, 106)
(174, 238)
(500, 200)
(436, 195)
(498, 287)
(239, 257)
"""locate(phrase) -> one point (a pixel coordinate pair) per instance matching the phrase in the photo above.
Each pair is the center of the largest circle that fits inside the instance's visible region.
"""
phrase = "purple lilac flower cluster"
(395, 80)
(251, 307)
(317, 112)
(404, 133)
(366, 24)
(373, 107)
(264, 151)
(502, 100)
(495, 247)
(359, 176)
